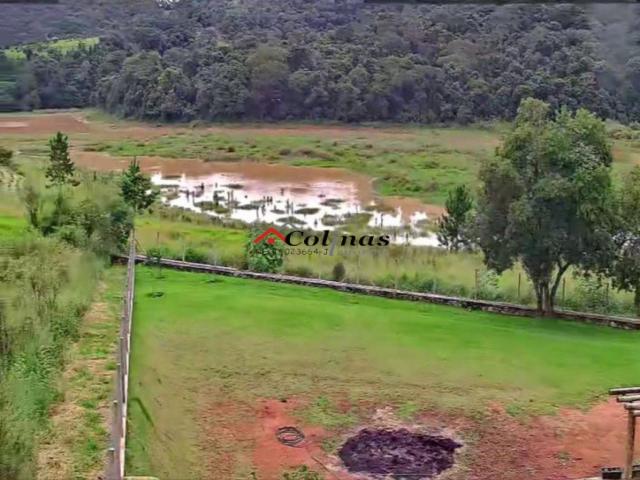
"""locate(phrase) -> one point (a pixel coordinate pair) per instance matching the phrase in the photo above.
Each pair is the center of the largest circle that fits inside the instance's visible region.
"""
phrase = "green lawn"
(214, 339)
(11, 226)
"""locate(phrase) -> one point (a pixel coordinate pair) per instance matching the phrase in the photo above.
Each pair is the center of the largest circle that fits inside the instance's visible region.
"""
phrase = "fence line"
(116, 453)
(626, 323)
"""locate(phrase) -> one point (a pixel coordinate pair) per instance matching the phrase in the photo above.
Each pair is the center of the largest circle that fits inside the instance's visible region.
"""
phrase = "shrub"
(196, 256)
(264, 256)
(339, 272)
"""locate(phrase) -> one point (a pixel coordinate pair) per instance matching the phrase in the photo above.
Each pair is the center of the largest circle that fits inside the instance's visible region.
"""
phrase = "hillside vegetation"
(325, 59)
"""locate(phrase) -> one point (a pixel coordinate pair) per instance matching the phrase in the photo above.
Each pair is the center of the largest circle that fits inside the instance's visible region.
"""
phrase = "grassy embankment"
(283, 341)
(56, 368)
(46, 288)
(73, 447)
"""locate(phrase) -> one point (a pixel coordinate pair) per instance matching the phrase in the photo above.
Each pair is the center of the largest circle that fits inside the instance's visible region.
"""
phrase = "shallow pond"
(289, 196)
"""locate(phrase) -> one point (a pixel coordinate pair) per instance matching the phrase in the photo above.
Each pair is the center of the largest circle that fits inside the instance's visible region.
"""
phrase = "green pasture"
(249, 340)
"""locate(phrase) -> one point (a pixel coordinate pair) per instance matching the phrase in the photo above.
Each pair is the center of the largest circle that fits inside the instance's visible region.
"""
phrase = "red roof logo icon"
(270, 235)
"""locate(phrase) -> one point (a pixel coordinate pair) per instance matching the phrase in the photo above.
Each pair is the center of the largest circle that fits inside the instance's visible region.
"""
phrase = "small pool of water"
(285, 195)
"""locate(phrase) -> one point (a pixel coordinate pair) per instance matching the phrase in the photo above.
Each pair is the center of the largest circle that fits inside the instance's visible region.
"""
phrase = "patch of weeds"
(323, 412)
(408, 410)
(330, 445)
(515, 410)
(88, 403)
(302, 473)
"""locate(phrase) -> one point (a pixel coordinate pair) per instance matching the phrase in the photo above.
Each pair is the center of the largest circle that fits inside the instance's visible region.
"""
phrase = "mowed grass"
(11, 226)
(212, 340)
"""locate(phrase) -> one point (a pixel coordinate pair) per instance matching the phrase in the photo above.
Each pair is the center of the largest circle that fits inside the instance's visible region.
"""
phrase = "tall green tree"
(547, 200)
(626, 270)
(453, 225)
(61, 169)
(136, 188)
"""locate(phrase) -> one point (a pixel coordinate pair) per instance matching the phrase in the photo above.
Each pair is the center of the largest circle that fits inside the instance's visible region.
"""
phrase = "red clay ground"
(566, 446)
(75, 122)
(43, 123)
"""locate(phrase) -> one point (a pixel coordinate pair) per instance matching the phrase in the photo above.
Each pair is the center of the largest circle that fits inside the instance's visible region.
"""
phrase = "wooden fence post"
(631, 438)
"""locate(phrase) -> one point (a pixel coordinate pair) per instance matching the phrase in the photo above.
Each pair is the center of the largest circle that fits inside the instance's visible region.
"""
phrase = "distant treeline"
(335, 59)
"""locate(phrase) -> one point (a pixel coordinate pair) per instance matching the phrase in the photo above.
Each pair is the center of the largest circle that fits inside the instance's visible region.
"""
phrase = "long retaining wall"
(116, 453)
(471, 304)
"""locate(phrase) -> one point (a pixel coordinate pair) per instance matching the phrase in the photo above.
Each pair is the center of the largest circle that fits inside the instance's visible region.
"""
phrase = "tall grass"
(47, 287)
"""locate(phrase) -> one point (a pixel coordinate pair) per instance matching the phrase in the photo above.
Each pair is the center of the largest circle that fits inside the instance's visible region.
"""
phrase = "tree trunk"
(548, 300)
(637, 300)
(538, 298)
(544, 298)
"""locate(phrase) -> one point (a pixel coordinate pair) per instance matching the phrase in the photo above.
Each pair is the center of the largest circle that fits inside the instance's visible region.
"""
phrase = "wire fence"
(116, 453)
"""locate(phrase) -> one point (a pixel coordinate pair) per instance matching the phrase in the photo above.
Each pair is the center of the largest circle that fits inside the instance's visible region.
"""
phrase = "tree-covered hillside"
(329, 59)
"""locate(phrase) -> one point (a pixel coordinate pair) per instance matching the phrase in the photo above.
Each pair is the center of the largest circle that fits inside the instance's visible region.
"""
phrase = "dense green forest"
(342, 60)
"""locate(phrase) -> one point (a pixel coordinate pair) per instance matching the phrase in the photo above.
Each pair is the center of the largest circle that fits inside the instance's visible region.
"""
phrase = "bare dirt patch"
(568, 445)
(42, 124)
(571, 444)
(246, 438)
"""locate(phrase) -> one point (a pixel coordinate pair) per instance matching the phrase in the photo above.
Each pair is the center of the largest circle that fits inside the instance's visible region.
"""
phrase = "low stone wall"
(468, 303)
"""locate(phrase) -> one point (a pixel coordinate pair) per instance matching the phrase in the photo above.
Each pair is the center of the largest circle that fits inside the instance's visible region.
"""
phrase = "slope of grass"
(63, 46)
(211, 339)
(74, 446)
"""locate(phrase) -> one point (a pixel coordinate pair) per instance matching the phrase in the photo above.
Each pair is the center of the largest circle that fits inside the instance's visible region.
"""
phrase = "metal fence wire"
(116, 452)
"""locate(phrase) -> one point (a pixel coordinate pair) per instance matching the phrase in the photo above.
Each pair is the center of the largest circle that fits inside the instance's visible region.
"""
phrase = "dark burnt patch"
(401, 453)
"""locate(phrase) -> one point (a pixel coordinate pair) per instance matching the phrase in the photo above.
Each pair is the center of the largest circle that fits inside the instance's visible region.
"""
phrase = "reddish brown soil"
(237, 436)
(270, 457)
(569, 445)
(37, 124)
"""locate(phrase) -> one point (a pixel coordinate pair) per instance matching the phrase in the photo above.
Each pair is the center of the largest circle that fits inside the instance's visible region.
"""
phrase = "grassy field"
(249, 340)
(421, 162)
(62, 46)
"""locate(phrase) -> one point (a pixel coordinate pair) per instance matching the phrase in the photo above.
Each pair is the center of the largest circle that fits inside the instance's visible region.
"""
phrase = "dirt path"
(76, 442)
